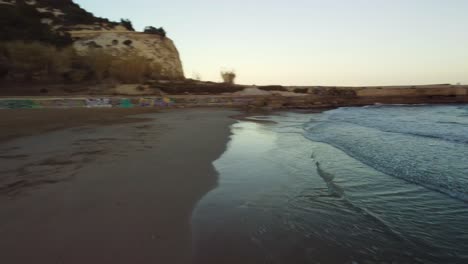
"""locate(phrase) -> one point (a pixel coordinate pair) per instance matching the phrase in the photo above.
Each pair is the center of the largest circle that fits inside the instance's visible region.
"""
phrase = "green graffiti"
(19, 104)
(126, 103)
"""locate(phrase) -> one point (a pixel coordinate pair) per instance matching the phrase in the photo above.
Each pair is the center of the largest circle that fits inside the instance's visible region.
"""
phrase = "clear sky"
(310, 42)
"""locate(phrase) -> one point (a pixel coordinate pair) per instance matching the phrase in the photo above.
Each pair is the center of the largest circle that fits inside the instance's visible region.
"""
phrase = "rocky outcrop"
(157, 49)
(63, 22)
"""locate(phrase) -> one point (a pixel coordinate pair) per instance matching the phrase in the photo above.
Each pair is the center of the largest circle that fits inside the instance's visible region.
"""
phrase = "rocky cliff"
(157, 49)
(63, 22)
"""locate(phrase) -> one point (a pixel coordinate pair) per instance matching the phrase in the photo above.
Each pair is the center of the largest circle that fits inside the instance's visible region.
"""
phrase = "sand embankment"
(122, 193)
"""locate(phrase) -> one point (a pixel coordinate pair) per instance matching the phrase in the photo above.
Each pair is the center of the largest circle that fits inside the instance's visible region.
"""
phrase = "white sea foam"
(426, 145)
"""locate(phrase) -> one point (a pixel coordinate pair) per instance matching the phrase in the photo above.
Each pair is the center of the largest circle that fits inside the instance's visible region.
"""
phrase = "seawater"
(359, 184)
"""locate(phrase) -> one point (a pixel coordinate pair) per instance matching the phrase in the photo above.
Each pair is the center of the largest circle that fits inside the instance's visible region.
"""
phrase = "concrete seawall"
(358, 98)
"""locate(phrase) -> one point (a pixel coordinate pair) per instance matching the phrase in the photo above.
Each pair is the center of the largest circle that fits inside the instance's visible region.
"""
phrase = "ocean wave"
(443, 122)
(432, 184)
(339, 192)
(420, 158)
(377, 105)
(333, 188)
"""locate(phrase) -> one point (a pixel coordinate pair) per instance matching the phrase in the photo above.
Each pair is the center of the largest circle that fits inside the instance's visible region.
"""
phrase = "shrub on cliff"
(96, 61)
(228, 77)
(35, 61)
(126, 68)
(132, 68)
(198, 88)
(23, 22)
(156, 31)
(301, 90)
(75, 15)
(155, 72)
(127, 24)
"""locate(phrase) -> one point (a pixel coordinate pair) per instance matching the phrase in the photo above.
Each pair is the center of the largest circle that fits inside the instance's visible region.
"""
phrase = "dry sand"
(121, 193)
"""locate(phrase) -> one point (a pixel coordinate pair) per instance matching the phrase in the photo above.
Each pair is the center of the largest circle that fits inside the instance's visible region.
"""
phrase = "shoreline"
(129, 202)
(275, 190)
(119, 186)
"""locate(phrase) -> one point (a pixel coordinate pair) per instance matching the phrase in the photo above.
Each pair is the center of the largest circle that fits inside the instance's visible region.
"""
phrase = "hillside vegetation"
(44, 63)
(36, 46)
(23, 22)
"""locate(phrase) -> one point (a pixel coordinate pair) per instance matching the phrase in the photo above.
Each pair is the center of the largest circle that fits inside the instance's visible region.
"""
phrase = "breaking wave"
(425, 145)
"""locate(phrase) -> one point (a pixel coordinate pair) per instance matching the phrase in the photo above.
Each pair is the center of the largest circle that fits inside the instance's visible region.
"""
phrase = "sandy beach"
(97, 186)
(293, 132)
(197, 186)
(27, 122)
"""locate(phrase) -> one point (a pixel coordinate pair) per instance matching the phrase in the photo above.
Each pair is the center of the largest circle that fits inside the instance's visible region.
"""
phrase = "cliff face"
(63, 22)
(157, 49)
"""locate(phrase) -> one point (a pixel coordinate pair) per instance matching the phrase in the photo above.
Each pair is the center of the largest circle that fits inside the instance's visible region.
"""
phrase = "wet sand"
(27, 122)
(120, 193)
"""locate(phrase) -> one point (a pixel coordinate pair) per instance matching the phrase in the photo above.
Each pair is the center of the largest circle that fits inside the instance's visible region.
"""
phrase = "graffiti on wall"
(98, 102)
(88, 102)
(146, 102)
(164, 102)
(155, 102)
(18, 104)
(61, 103)
(160, 102)
(125, 103)
(71, 103)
